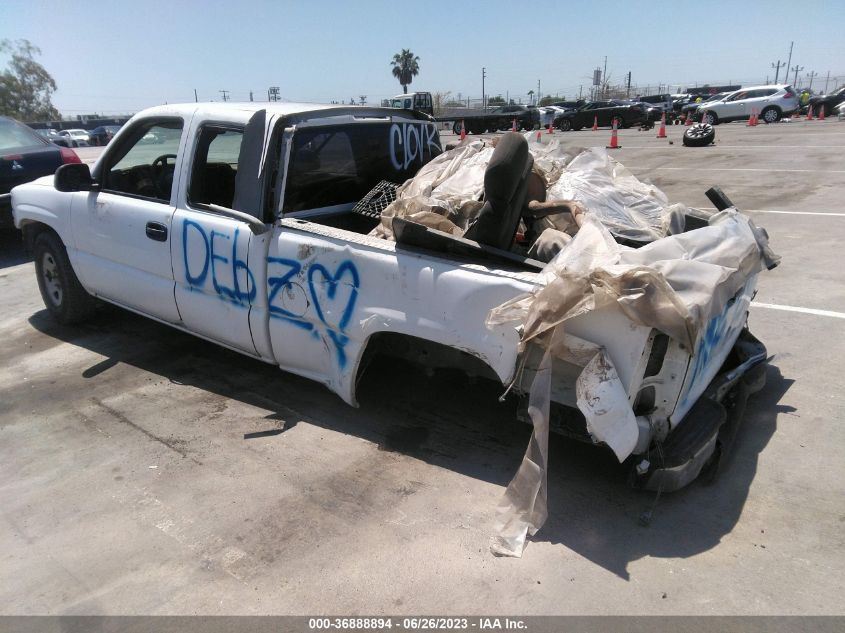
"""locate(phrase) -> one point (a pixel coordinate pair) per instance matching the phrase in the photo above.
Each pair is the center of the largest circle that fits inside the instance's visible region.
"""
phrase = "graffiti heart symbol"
(330, 308)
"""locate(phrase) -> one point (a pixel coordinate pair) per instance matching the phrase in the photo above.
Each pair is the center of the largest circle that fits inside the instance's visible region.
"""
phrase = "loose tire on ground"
(699, 135)
(65, 298)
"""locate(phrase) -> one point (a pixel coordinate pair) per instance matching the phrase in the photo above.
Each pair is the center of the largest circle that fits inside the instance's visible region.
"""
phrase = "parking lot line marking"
(833, 213)
(698, 168)
(769, 147)
(774, 306)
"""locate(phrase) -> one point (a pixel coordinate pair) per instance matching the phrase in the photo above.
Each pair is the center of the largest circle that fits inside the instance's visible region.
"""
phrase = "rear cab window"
(334, 166)
(215, 165)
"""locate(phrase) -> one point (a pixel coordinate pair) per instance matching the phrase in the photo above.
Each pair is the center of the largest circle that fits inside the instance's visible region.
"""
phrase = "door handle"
(157, 231)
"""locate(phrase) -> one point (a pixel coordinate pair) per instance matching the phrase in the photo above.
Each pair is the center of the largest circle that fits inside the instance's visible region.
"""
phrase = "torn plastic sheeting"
(628, 207)
(452, 185)
(523, 509)
(444, 195)
(674, 285)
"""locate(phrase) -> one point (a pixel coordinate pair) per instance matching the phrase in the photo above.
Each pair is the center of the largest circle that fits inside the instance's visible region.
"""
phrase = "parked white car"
(770, 103)
(77, 136)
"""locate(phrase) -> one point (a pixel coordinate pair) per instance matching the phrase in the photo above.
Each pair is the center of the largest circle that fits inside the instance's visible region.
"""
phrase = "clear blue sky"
(120, 56)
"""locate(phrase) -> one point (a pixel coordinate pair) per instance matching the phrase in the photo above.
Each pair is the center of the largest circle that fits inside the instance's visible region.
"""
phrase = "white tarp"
(675, 284)
(451, 186)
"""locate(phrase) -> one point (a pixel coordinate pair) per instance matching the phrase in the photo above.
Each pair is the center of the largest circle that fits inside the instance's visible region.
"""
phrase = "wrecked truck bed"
(635, 334)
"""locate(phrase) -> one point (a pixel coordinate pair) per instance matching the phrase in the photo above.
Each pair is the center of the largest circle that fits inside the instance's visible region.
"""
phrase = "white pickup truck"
(236, 223)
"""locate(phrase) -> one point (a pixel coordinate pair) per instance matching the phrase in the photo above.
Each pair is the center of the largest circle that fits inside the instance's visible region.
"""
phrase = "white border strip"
(697, 168)
(831, 213)
(774, 306)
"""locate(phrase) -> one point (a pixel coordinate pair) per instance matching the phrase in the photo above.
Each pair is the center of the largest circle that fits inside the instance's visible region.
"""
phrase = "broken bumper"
(700, 442)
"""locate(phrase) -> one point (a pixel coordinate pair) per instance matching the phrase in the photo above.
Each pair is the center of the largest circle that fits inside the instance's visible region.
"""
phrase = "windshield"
(338, 164)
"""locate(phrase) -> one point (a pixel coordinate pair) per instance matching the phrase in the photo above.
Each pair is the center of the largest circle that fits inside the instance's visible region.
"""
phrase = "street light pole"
(483, 100)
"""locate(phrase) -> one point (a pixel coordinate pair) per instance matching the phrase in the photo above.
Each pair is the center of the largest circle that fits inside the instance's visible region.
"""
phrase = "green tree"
(26, 87)
(405, 67)
(497, 100)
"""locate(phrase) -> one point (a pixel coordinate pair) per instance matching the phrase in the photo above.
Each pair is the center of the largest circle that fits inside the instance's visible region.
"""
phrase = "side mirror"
(73, 177)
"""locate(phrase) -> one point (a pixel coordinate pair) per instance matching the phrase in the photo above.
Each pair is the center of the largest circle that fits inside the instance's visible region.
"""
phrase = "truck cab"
(419, 101)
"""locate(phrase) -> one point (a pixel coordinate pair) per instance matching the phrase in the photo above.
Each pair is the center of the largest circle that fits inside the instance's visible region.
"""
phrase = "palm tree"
(405, 67)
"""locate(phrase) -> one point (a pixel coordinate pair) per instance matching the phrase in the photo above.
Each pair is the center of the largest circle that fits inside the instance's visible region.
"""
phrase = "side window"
(215, 166)
(144, 164)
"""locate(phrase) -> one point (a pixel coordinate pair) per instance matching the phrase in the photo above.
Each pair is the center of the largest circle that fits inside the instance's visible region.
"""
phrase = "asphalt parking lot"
(144, 471)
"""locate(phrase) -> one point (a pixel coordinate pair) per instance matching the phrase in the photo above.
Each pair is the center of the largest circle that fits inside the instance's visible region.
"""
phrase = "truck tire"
(770, 114)
(63, 295)
(699, 135)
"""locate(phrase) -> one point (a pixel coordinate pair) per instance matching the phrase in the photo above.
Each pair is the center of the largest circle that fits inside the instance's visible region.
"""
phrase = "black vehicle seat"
(505, 193)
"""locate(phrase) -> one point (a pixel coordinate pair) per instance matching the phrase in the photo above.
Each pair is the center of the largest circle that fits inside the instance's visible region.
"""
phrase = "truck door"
(122, 231)
(218, 263)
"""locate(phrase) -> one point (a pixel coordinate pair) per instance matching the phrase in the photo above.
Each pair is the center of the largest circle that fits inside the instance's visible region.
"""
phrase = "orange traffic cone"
(551, 129)
(614, 141)
(513, 127)
(751, 120)
(463, 130)
(662, 131)
(821, 113)
(539, 136)
(595, 123)
(810, 113)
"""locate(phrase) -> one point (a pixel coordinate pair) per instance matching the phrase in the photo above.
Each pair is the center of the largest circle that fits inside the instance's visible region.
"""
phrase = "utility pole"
(796, 68)
(628, 90)
(777, 70)
(538, 92)
(825, 81)
(789, 60)
(196, 100)
(580, 91)
(604, 78)
(225, 94)
(363, 99)
(483, 77)
(273, 93)
(811, 74)
(250, 95)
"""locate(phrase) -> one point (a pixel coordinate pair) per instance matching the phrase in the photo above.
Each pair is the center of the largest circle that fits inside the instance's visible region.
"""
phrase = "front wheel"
(710, 118)
(565, 125)
(63, 295)
(770, 115)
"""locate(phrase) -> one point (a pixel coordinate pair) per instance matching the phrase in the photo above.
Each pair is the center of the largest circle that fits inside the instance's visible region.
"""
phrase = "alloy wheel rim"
(50, 275)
